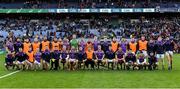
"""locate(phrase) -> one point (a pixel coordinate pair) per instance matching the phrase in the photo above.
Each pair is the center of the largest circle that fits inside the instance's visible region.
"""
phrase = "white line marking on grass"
(9, 74)
(89, 88)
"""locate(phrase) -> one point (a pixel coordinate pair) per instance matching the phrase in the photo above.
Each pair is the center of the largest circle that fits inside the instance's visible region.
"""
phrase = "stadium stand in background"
(84, 25)
(88, 3)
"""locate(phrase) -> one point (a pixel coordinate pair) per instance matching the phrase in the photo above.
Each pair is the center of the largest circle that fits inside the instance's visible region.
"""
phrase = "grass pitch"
(93, 78)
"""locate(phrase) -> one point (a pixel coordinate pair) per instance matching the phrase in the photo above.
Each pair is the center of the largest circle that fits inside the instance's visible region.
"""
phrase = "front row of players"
(79, 59)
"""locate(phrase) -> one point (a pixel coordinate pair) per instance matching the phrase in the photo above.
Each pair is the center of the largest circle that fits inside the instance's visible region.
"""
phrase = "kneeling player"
(80, 57)
(37, 58)
(72, 62)
(89, 58)
(110, 55)
(46, 56)
(64, 56)
(141, 61)
(9, 60)
(120, 58)
(99, 54)
(20, 59)
(152, 61)
(55, 59)
(130, 60)
(30, 61)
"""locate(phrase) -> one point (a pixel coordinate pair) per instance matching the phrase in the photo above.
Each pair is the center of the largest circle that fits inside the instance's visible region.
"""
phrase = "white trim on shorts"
(169, 53)
(141, 62)
(36, 62)
(145, 53)
(160, 56)
(28, 62)
(72, 60)
(110, 60)
(19, 63)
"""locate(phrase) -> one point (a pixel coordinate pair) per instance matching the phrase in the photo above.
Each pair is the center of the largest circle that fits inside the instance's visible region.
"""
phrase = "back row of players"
(75, 54)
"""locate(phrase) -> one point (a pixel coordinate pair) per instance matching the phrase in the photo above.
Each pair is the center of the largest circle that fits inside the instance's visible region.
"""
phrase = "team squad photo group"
(74, 54)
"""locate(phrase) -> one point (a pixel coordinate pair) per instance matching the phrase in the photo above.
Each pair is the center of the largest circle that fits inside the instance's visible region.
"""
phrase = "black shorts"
(152, 61)
(89, 61)
(9, 63)
(63, 60)
(120, 61)
(99, 61)
(47, 60)
(9, 60)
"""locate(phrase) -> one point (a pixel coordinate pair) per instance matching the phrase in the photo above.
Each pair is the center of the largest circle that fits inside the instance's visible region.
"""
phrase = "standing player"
(151, 46)
(105, 46)
(120, 55)
(64, 56)
(46, 57)
(20, 59)
(89, 44)
(66, 43)
(26, 45)
(99, 54)
(123, 45)
(72, 62)
(37, 57)
(74, 42)
(45, 45)
(169, 47)
(18, 44)
(55, 45)
(96, 43)
(60, 44)
(160, 50)
(114, 44)
(35, 45)
(132, 45)
(142, 45)
(110, 55)
(82, 44)
(10, 45)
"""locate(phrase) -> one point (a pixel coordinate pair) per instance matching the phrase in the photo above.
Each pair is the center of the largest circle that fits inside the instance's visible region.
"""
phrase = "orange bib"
(31, 56)
(55, 46)
(132, 46)
(26, 47)
(143, 45)
(114, 46)
(89, 54)
(44, 45)
(89, 46)
(35, 47)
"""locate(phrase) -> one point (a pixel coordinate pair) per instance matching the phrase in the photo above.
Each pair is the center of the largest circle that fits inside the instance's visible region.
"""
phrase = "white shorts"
(145, 53)
(36, 62)
(72, 60)
(169, 53)
(19, 63)
(141, 62)
(160, 56)
(30, 63)
(110, 60)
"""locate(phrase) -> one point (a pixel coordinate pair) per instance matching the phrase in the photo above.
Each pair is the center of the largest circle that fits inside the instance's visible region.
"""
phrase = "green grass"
(93, 79)
(3, 71)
